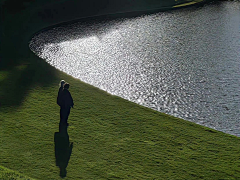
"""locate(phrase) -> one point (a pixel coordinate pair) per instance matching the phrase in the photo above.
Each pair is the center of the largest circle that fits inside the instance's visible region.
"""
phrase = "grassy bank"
(9, 174)
(112, 138)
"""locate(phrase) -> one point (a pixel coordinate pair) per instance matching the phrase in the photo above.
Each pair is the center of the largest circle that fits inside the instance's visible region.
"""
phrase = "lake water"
(185, 63)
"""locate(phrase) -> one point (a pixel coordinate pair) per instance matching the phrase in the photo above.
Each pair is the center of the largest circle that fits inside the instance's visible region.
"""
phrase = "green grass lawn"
(112, 138)
(9, 174)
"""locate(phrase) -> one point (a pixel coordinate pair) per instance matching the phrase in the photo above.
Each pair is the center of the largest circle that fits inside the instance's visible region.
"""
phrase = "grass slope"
(7, 174)
(112, 138)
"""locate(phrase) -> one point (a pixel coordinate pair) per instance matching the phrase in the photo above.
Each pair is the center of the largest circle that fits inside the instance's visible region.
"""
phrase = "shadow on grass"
(17, 80)
(20, 69)
(63, 149)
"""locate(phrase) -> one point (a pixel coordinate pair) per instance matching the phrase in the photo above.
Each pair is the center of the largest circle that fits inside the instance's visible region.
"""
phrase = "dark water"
(185, 63)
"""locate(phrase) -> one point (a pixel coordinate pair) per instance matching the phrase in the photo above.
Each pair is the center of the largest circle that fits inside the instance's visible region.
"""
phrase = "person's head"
(62, 82)
(66, 86)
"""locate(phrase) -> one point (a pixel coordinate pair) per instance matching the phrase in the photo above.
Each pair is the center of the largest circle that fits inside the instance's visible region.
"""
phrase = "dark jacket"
(66, 99)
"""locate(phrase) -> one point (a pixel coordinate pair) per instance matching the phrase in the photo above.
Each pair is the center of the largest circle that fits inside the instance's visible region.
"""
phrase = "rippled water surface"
(185, 63)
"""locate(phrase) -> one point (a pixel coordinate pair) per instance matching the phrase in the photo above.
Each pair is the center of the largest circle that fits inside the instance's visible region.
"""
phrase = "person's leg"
(61, 115)
(61, 124)
(64, 116)
(67, 114)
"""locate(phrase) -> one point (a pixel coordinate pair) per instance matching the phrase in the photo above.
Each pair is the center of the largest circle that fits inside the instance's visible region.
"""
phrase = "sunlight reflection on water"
(184, 63)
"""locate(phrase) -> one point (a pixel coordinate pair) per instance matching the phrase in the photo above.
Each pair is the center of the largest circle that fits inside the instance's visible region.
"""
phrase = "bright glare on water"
(185, 63)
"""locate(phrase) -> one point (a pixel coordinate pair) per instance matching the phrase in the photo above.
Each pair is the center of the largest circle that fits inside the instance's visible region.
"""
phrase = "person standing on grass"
(66, 103)
(59, 98)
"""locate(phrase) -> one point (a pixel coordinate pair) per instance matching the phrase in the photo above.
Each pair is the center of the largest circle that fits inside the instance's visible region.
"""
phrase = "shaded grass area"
(112, 138)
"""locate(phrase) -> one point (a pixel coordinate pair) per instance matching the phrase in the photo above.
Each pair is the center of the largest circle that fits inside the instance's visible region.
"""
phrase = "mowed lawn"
(112, 137)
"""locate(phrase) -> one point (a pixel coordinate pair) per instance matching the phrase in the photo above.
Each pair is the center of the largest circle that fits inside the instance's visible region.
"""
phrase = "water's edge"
(191, 92)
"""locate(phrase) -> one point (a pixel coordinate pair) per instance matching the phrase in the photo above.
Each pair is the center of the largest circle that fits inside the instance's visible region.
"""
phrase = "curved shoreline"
(200, 114)
(110, 128)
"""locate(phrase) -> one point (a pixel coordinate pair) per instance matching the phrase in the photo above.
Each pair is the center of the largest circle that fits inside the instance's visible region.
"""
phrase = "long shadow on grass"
(63, 149)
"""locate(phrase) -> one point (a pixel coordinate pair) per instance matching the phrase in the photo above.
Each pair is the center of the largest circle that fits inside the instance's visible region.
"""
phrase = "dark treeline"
(93, 6)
